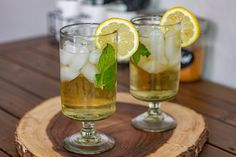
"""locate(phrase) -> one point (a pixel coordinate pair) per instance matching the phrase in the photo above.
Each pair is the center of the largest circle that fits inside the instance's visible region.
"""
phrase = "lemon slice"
(128, 39)
(190, 29)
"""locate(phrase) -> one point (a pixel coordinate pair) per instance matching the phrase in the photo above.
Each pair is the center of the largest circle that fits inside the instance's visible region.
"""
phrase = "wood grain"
(211, 151)
(23, 43)
(36, 61)
(214, 90)
(28, 79)
(218, 131)
(2, 154)
(7, 129)
(231, 119)
(206, 108)
(40, 132)
(13, 99)
(203, 99)
(46, 49)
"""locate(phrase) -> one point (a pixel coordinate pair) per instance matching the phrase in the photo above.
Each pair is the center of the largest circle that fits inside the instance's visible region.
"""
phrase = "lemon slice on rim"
(128, 38)
(190, 29)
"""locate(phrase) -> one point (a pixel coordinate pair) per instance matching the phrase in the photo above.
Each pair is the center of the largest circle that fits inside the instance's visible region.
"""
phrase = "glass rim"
(82, 36)
(156, 17)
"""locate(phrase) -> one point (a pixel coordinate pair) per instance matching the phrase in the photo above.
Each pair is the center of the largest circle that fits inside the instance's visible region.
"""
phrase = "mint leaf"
(98, 80)
(109, 77)
(142, 51)
(107, 68)
(107, 58)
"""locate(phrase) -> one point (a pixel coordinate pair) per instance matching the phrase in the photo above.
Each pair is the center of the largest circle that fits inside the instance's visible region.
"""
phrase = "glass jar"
(193, 56)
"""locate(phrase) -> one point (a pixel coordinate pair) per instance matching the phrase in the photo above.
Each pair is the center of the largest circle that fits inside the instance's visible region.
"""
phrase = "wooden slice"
(41, 131)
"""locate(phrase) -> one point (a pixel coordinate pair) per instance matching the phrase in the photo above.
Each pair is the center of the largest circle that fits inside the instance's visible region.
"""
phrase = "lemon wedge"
(128, 38)
(190, 29)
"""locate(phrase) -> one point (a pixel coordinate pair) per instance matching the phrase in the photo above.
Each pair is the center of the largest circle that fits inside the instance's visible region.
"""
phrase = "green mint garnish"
(142, 51)
(107, 68)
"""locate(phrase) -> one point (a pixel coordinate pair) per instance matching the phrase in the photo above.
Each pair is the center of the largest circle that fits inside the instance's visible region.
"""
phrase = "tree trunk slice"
(41, 131)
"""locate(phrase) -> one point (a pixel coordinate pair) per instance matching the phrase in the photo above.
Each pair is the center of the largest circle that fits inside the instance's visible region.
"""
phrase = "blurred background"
(31, 18)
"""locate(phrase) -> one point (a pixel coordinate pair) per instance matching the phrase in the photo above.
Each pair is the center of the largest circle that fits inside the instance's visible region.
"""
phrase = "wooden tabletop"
(29, 74)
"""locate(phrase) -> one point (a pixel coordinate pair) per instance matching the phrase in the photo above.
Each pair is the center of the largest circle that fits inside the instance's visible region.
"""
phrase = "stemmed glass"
(154, 72)
(88, 85)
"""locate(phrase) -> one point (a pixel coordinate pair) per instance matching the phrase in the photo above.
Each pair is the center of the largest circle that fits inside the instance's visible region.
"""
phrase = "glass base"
(77, 144)
(158, 123)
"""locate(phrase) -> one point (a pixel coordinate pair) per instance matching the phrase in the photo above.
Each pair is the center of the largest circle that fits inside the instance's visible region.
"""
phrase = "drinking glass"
(88, 77)
(154, 77)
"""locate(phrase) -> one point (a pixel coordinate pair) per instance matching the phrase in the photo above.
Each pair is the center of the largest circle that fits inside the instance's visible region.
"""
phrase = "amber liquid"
(82, 101)
(153, 87)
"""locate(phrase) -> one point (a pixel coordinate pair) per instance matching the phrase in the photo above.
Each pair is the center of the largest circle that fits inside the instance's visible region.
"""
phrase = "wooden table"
(29, 74)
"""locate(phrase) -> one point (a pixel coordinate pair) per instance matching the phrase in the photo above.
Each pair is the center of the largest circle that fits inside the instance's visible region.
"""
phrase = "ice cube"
(65, 57)
(82, 49)
(146, 41)
(175, 60)
(94, 57)
(69, 47)
(91, 45)
(157, 45)
(89, 71)
(79, 60)
(152, 66)
(172, 47)
(67, 73)
(144, 30)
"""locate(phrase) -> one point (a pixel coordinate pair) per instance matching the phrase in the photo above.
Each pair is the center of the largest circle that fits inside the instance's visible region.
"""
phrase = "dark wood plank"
(121, 88)
(2, 154)
(222, 135)
(211, 151)
(207, 106)
(210, 89)
(231, 119)
(123, 74)
(7, 132)
(22, 43)
(45, 48)
(210, 99)
(210, 106)
(29, 80)
(15, 100)
(33, 60)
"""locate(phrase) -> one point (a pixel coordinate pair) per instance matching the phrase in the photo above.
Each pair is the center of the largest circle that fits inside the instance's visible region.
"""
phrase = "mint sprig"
(107, 68)
(141, 51)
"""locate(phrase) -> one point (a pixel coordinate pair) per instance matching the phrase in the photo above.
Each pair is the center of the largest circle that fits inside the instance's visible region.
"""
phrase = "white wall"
(23, 18)
(220, 59)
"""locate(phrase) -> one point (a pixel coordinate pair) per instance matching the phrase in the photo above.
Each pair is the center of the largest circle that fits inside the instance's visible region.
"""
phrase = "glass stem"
(154, 111)
(88, 133)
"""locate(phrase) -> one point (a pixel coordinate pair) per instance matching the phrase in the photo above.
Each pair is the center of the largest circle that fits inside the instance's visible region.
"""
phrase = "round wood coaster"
(41, 131)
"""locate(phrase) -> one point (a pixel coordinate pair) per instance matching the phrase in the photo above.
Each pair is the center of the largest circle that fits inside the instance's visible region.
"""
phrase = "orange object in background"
(193, 57)
(191, 67)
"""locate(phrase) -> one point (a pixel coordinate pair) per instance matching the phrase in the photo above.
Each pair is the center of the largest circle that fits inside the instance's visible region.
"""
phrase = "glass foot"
(154, 123)
(78, 144)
